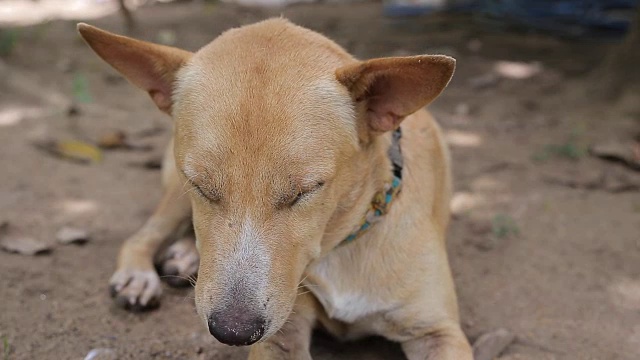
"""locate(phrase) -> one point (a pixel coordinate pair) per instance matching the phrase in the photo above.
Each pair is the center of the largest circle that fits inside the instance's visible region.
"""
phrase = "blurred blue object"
(563, 17)
(571, 17)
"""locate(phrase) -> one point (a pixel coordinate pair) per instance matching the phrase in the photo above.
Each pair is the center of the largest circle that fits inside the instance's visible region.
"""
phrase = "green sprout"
(6, 348)
(503, 226)
(570, 150)
(81, 91)
(8, 40)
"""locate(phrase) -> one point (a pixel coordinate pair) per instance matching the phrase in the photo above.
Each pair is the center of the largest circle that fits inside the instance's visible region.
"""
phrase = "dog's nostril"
(236, 328)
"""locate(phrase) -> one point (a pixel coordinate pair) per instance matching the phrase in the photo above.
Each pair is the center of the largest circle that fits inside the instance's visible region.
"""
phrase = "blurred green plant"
(5, 347)
(80, 90)
(572, 150)
(503, 226)
(210, 6)
(8, 40)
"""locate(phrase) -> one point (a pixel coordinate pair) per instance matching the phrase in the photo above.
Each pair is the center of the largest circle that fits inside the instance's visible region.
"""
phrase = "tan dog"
(282, 137)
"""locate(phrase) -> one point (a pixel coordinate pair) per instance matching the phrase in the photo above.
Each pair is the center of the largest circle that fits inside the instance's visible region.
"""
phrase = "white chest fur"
(343, 292)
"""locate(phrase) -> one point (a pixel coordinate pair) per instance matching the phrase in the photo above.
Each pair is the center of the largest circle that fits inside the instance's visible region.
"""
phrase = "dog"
(302, 218)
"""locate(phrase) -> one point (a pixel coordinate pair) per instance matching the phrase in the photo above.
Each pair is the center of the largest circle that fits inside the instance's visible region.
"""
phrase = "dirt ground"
(533, 249)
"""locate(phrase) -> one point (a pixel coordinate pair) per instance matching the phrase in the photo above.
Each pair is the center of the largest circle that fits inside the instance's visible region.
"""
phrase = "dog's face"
(270, 121)
(262, 151)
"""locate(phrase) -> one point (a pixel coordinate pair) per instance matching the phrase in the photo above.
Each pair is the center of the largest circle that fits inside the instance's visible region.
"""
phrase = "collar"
(382, 200)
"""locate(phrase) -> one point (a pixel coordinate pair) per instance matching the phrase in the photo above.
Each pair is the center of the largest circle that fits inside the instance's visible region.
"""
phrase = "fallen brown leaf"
(113, 140)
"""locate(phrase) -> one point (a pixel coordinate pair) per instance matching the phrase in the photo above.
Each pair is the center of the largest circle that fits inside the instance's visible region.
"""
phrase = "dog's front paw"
(136, 289)
(179, 264)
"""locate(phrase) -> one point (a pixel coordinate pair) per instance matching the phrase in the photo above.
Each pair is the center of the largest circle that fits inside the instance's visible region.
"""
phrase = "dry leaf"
(23, 245)
(69, 235)
(73, 150)
(113, 140)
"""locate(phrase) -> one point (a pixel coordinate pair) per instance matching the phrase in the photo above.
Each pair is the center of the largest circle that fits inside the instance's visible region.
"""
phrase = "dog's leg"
(444, 342)
(430, 325)
(136, 284)
(292, 341)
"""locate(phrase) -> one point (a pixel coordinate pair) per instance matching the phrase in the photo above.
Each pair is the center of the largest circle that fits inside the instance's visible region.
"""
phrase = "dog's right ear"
(151, 67)
(393, 88)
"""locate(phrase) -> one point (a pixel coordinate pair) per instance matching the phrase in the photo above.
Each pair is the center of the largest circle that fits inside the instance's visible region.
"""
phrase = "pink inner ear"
(383, 117)
(149, 74)
(386, 102)
(162, 100)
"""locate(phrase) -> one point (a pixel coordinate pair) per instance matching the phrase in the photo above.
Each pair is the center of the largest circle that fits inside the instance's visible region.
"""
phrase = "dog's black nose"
(236, 328)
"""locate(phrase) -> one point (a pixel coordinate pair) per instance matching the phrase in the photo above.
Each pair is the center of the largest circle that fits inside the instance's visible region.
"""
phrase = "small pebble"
(24, 245)
(69, 235)
(101, 354)
(463, 109)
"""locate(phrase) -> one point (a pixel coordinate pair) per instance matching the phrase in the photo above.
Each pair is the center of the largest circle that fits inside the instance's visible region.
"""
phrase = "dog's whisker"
(191, 281)
(186, 192)
(307, 286)
(303, 279)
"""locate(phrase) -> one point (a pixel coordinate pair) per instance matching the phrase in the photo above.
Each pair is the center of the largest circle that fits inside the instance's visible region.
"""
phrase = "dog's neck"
(372, 170)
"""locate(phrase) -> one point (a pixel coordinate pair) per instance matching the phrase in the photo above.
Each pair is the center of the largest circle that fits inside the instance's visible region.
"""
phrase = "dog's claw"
(179, 265)
(136, 290)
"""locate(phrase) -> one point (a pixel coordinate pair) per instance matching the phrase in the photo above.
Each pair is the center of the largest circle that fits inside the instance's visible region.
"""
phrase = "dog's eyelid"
(202, 193)
(209, 195)
(302, 193)
(199, 191)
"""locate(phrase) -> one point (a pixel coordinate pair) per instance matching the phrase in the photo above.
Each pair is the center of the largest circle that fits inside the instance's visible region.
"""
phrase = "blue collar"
(381, 203)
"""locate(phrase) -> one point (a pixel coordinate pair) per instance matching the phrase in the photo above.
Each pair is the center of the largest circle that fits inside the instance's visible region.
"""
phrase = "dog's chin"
(276, 322)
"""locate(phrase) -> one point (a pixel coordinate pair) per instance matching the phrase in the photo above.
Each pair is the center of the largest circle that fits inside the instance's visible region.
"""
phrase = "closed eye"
(304, 193)
(211, 195)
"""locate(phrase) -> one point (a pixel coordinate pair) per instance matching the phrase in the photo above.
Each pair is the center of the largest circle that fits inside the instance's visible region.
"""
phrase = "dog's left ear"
(149, 66)
(393, 88)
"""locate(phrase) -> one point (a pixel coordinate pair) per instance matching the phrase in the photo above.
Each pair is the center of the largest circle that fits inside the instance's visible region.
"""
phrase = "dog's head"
(273, 130)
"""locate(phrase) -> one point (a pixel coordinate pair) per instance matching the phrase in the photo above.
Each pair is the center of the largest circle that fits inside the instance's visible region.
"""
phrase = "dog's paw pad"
(136, 290)
(179, 265)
